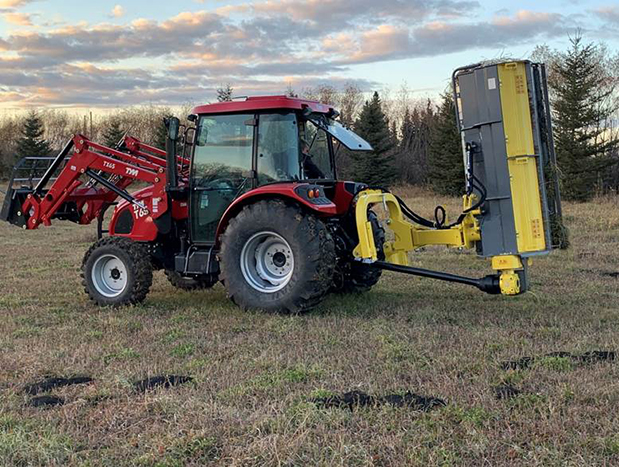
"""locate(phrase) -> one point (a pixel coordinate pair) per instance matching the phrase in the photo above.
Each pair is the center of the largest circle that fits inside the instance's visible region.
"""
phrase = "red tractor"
(247, 194)
(251, 201)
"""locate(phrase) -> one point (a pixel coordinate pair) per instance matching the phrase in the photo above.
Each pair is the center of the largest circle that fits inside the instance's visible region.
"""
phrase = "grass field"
(254, 374)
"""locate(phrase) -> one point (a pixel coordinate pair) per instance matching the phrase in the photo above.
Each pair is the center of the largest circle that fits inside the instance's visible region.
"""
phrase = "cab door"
(222, 170)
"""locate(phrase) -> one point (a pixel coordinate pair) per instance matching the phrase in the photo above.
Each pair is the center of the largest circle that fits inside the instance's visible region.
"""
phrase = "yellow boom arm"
(409, 237)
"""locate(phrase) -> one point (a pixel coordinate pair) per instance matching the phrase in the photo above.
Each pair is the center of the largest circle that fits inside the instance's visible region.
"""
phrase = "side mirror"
(333, 114)
(190, 136)
(192, 117)
(173, 124)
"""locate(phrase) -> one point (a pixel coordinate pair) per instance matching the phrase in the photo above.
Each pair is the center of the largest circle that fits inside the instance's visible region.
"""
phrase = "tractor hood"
(348, 138)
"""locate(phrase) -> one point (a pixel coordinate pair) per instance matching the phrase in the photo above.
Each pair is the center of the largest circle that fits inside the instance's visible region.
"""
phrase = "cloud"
(609, 13)
(13, 3)
(331, 13)
(18, 19)
(392, 42)
(118, 11)
(260, 47)
(114, 42)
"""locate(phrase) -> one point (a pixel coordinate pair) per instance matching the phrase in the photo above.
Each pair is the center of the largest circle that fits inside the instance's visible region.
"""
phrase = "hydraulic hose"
(439, 212)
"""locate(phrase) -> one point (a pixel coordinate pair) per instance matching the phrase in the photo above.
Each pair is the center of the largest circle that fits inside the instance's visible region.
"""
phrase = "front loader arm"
(92, 179)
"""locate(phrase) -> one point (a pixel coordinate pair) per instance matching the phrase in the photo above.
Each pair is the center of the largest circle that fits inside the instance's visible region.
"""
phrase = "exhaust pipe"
(173, 125)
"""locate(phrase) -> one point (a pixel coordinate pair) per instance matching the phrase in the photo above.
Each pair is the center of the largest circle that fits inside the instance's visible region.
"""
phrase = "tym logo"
(132, 172)
(139, 212)
(109, 165)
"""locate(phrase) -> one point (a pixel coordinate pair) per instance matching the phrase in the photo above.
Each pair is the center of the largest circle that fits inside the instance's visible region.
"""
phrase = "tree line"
(415, 141)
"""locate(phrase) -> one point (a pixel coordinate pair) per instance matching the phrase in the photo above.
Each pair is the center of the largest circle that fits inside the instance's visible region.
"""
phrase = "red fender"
(287, 191)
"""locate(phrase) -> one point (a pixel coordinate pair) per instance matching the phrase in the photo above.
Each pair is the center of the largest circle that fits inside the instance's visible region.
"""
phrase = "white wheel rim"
(267, 262)
(109, 275)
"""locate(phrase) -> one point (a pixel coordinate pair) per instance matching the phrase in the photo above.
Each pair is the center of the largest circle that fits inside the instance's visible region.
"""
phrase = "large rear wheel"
(117, 271)
(276, 257)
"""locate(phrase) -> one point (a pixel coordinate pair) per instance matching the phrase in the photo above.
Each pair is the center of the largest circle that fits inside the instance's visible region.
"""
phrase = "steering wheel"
(216, 183)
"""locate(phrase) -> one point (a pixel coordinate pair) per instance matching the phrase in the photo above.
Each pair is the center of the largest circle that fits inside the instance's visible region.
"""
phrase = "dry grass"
(254, 373)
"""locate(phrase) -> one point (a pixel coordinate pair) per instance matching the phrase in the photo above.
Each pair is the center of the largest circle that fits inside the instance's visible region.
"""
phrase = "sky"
(100, 54)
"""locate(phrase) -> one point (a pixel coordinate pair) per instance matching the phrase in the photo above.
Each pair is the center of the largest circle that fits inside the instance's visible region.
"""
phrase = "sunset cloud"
(259, 46)
(18, 19)
(118, 11)
(13, 3)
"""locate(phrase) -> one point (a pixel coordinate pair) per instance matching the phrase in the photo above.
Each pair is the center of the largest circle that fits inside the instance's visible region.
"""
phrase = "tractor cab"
(244, 145)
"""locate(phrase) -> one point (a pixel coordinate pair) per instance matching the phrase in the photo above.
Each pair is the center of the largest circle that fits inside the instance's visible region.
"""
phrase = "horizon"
(56, 55)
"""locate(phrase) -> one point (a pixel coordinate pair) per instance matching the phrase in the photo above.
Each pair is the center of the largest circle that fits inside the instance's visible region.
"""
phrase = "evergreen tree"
(446, 164)
(161, 132)
(225, 93)
(376, 167)
(112, 133)
(32, 143)
(412, 157)
(583, 108)
(406, 150)
(290, 92)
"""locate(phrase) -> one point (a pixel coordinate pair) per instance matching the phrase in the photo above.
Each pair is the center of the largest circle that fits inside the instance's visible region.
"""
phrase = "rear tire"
(276, 257)
(117, 271)
(190, 283)
(357, 277)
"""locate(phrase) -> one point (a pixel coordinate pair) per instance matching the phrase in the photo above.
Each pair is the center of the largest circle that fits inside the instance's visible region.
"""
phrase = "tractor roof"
(261, 103)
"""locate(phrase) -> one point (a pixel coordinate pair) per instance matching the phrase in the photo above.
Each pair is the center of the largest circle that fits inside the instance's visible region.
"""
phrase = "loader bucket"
(28, 175)
(11, 208)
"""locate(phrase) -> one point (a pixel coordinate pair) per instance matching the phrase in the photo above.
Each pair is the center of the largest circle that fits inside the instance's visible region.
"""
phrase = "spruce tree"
(112, 133)
(290, 92)
(581, 111)
(375, 167)
(161, 132)
(31, 142)
(225, 93)
(446, 164)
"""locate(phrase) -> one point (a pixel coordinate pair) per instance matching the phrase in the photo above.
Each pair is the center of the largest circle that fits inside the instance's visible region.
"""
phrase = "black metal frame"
(489, 284)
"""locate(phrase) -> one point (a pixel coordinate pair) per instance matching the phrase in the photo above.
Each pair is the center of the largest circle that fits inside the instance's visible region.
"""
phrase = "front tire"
(117, 271)
(276, 257)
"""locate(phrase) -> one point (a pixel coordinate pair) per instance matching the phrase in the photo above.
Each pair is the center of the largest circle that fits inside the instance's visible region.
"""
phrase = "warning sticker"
(536, 228)
(491, 83)
(520, 87)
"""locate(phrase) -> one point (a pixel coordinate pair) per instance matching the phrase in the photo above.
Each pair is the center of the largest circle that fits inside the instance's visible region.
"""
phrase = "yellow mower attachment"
(409, 237)
(503, 116)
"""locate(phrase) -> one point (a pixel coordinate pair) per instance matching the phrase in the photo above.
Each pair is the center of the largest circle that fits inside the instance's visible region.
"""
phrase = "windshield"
(291, 149)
